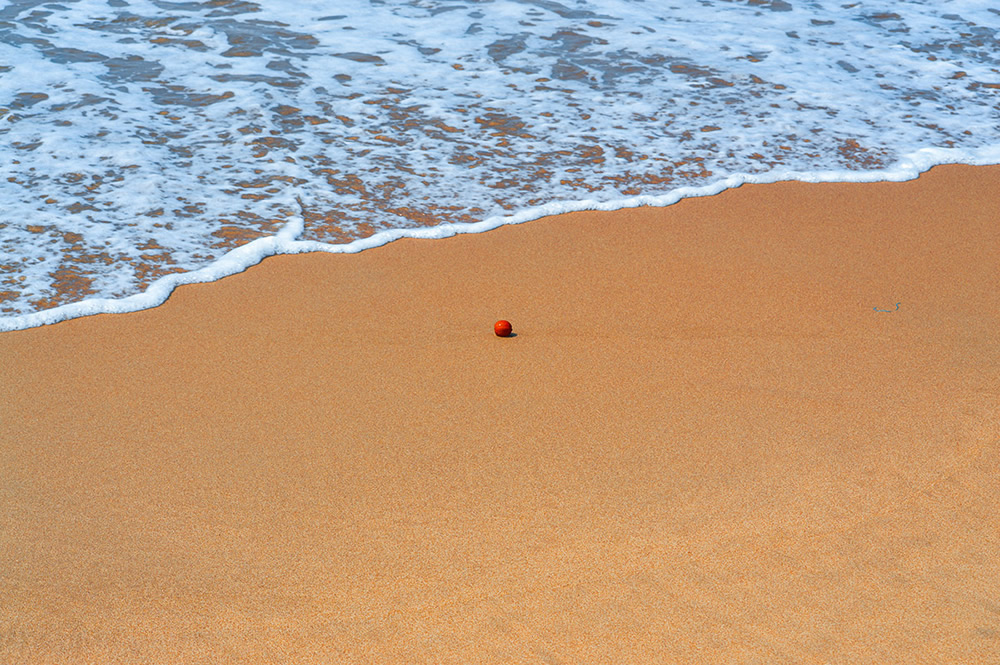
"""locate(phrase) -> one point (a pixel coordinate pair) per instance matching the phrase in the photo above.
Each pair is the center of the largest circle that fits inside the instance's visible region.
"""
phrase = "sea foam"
(152, 144)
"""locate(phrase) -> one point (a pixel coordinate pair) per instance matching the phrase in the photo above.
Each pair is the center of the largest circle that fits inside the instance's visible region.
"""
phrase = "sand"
(703, 445)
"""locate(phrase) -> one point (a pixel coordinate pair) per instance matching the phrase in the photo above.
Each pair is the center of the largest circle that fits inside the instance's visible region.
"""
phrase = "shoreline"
(704, 443)
(286, 241)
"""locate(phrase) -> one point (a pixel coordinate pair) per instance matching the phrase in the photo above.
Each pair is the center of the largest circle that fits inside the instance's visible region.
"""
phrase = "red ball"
(502, 328)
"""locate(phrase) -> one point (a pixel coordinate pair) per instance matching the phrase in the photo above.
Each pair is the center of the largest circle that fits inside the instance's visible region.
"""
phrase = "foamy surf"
(157, 144)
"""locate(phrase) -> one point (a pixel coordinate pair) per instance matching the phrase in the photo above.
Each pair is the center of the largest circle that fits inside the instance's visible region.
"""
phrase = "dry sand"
(704, 445)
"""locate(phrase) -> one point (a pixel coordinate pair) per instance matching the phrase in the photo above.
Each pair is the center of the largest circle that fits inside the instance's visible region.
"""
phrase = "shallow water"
(149, 138)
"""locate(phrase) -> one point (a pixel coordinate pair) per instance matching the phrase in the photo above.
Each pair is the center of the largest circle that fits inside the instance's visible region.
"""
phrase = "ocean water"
(148, 143)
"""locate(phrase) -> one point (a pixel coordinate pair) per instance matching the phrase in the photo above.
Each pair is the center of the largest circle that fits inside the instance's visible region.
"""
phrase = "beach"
(757, 427)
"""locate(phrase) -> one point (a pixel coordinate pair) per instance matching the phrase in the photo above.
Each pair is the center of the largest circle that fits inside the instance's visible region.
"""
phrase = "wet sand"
(704, 445)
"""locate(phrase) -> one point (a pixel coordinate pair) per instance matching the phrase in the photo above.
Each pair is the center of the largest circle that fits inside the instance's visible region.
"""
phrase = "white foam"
(161, 125)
